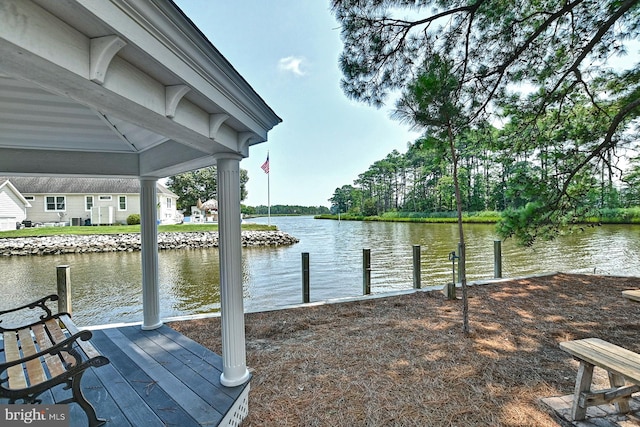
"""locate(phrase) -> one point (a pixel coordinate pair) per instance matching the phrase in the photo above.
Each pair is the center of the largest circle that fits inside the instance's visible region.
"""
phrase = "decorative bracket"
(103, 49)
(243, 142)
(215, 121)
(173, 95)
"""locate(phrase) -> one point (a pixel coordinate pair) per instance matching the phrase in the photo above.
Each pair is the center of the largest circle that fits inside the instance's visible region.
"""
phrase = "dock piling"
(497, 259)
(416, 267)
(63, 275)
(366, 271)
(305, 277)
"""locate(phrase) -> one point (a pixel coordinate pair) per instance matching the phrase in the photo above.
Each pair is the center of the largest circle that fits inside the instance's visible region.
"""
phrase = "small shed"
(13, 206)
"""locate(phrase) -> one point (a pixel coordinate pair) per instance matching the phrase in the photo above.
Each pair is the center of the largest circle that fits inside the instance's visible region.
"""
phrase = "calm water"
(106, 288)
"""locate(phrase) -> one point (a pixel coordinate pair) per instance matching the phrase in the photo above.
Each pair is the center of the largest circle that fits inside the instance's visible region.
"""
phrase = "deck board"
(162, 374)
(185, 374)
(157, 377)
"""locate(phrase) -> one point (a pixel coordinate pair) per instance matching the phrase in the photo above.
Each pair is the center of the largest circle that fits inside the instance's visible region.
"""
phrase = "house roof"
(63, 185)
(14, 190)
(118, 88)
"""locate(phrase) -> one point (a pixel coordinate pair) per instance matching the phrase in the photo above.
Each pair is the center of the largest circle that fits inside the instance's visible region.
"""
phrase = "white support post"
(234, 371)
(149, 240)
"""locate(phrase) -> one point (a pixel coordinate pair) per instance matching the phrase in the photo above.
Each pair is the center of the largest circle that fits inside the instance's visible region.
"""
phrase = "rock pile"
(54, 245)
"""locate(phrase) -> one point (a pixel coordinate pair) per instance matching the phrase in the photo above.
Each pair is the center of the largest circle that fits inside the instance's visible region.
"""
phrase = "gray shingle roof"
(62, 185)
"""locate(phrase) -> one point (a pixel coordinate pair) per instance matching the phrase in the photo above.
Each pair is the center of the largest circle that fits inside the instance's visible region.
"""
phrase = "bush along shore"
(61, 244)
(605, 216)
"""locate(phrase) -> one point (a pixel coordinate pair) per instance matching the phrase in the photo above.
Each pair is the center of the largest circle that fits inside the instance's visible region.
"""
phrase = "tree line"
(521, 96)
(202, 184)
(499, 170)
(285, 210)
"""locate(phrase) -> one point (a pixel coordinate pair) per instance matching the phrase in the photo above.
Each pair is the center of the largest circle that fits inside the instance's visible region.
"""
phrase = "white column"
(234, 371)
(149, 240)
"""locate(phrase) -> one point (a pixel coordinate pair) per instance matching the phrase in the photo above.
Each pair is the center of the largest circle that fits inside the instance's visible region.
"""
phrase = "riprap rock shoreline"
(61, 244)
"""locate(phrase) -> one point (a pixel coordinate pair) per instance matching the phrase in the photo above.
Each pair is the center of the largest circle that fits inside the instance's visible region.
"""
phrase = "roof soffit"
(165, 44)
(163, 48)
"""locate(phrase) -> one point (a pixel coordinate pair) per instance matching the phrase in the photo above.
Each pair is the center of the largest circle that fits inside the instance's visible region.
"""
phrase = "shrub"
(133, 219)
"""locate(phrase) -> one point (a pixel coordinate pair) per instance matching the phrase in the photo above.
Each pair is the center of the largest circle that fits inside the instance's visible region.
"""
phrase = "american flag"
(265, 165)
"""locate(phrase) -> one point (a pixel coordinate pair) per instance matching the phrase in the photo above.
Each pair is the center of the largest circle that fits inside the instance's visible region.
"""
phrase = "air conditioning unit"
(102, 215)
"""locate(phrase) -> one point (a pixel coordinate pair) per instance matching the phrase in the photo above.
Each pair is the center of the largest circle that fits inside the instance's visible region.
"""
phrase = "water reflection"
(106, 288)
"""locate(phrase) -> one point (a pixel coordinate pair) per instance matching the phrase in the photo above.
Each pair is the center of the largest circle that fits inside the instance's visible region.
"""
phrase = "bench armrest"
(59, 316)
(41, 303)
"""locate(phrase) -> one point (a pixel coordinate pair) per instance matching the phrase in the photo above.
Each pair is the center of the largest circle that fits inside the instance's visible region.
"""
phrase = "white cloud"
(293, 64)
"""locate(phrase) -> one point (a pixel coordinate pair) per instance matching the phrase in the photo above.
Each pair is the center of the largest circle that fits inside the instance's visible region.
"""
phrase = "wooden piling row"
(64, 276)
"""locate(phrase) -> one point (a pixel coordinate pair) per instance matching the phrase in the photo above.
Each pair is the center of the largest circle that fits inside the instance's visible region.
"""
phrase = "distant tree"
(564, 174)
(247, 210)
(200, 184)
(345, 199)
(559, 50)
(291, 210)
(433, 102)
(631, 191)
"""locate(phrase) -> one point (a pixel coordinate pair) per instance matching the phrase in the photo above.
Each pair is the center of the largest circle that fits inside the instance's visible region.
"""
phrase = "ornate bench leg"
(88, 408)
(583, 384)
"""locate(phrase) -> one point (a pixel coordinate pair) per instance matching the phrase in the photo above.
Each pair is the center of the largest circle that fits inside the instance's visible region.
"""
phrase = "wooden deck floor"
(156, 378)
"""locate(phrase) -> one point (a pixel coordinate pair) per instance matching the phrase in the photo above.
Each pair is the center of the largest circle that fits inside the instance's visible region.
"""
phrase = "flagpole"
(265, 167)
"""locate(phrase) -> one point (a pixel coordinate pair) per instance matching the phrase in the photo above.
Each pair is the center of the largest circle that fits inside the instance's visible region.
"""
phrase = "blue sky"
(288, 51)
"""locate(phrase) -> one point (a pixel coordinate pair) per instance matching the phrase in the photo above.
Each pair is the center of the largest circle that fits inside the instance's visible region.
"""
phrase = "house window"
(105, 198)
(30, 198)
(168, 203)
(122, 203)
(88, 203)
(55, 203)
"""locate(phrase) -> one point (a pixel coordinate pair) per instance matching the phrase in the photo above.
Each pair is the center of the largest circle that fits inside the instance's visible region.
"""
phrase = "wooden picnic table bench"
(622, 366)
(632, 294)
(40, 355)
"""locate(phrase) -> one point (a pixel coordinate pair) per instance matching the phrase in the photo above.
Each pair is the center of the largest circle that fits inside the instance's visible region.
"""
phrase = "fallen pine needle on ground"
(404, 361)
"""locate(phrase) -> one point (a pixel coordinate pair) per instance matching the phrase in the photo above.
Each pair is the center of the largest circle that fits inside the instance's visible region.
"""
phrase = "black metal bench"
(40, 355)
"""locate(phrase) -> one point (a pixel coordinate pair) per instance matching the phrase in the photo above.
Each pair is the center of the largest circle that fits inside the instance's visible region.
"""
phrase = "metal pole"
(305, 277)
(460, 272)
(497, 259)
(366, 271)
(63, 274)
(416, 267)
(451, 287)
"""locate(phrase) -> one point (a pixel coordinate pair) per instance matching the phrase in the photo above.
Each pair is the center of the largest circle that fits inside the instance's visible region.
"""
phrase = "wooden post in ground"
(305, 277)
(450, 288)
(366, 271)
(497, 259)
(63, 274)
(416, 267)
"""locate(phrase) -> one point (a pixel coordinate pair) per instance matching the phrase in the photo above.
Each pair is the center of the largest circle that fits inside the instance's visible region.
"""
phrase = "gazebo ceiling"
(32, 117)
(117, 88)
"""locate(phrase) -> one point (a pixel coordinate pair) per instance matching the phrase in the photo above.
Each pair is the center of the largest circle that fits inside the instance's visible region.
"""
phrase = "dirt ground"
(404, 361)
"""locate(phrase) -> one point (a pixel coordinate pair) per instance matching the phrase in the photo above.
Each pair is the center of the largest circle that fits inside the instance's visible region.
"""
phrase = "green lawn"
(119, 229)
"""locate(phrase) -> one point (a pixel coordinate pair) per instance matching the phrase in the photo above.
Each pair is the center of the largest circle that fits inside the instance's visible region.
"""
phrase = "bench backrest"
(29, 341)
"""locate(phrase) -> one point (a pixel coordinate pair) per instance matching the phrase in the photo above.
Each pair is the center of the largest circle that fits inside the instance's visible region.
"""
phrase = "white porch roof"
(117, 88)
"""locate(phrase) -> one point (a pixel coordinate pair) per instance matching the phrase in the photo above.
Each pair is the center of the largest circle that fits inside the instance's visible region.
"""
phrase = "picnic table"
(622, 366)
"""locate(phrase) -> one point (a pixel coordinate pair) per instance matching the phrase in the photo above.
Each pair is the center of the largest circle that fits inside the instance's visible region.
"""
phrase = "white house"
(80, 201)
